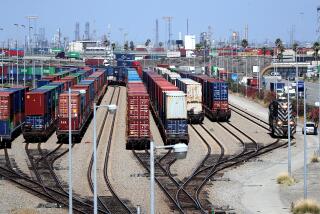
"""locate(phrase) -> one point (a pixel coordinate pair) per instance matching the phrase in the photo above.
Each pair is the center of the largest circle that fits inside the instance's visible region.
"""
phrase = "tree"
(278, 42)
(316, 48)
(198, 46)
(113, 45)
(131, 45)
(264, 52)
(280, 49)
(295, 49)
(106, 43)
(244, 43)
(280, 53)
(126, 46)
(147, 42)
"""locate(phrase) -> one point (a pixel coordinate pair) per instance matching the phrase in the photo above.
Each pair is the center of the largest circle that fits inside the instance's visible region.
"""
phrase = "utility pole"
(30, 18)
(168, 19)
(157, 33)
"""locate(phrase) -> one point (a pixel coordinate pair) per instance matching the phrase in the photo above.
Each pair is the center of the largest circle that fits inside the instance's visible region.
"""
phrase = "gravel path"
(196, 152)
(252, 188)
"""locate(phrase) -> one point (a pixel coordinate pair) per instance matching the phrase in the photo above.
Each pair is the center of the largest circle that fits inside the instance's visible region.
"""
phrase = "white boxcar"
(175, 104)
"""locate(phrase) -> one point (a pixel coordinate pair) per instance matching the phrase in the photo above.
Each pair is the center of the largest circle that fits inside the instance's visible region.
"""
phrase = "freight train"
(84, 94)
(42, 104)
(138, 121)
(169, 107)
(12, 114)
(278, 118)
(193, 91)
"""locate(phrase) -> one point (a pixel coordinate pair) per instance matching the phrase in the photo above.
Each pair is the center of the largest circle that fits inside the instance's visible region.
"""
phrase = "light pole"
(246, 76)
(297, 80)
(180, 151)
(24, 61)
(289, 132)
(17, 25)
(305, 145)
(2, 54)
(111, 108)
(70, 153)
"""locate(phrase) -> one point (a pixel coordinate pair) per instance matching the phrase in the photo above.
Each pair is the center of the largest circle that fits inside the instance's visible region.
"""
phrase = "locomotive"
(278, 118)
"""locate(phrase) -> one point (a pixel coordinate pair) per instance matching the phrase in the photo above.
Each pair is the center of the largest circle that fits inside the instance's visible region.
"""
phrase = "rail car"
(12, 114)
(168, 105)
(83, 95)
(138, 121)
(193, 91)
(42, 104)
(214, 96)
(278, 118)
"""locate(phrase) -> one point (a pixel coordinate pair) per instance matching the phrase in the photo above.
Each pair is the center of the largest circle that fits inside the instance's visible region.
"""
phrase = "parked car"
(311, 128)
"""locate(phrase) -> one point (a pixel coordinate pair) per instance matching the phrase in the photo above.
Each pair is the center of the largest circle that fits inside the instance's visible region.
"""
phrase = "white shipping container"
(176, 105)
(173, 54)
(193, 92)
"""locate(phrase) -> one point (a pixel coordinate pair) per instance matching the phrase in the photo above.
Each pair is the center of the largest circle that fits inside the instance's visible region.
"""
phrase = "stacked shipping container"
(42, 104)
(138, 122)
(84, 94)
(169, 108)
(214, 97)
(12, 111)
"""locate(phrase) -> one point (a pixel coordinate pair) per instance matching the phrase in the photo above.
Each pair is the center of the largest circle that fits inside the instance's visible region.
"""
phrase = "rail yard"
(187, 124)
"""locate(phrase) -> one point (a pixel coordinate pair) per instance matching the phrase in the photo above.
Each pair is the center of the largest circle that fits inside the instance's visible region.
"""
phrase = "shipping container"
(193, 92)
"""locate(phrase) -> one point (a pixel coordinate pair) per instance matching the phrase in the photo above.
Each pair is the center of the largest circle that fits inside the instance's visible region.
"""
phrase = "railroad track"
(252, 118)
(113, 204)
(45, 164)
(163, 176)
(201, 173)
(249, 151)
(37, 188)
(48, 183)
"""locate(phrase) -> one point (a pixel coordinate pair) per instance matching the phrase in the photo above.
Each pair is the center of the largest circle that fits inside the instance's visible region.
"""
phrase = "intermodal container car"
(214, 97)
(169, 109)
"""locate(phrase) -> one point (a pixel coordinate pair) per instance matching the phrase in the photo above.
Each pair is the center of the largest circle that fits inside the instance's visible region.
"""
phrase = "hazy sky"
(267, 19)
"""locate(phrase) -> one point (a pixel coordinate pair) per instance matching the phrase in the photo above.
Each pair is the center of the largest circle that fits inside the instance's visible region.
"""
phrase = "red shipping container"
(5, 70)
(224, 105)
(138, 129)
(35, 103)
(5, 105)
(81, 88)
(50, 77)
(70, 78)
(76, 114)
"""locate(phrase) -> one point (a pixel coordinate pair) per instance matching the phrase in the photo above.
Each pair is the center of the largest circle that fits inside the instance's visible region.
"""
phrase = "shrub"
(314, 158)
(306, 206)
(285, 179)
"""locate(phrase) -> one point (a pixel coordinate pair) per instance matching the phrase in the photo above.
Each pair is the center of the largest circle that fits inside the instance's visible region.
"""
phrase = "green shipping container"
(57, 50)
(73, 54)
(49, 70)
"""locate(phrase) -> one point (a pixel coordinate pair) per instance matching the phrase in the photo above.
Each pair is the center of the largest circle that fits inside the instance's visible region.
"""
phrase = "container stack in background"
(138, 121)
